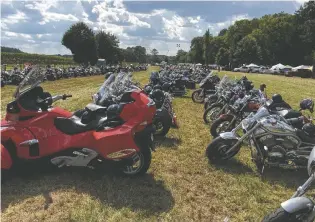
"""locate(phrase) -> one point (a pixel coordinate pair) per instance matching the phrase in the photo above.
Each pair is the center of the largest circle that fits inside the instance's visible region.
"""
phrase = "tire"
(145, 162)
(163, 124)
(213, 149)
(208, 116)
(196, 98)
(280, 215)
(217, 123)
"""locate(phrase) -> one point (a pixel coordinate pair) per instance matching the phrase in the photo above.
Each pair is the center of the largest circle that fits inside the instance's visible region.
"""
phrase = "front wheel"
(161, 126)
(141, 162)
(221, 125)
(212, 113)
(196, 96)
(280, 215)
(216, 150)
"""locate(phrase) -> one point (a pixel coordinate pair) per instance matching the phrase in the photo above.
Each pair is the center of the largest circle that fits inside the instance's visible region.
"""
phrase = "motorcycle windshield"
(225, 82)
(30, 81)
(104, 89)
(205, 79)
(248, 122)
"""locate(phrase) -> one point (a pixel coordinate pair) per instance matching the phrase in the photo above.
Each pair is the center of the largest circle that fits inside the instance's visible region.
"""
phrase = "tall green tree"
(222, 57)
(206, 46)
(108, 47)
(79, 39)
(196, 49)
(247, 51)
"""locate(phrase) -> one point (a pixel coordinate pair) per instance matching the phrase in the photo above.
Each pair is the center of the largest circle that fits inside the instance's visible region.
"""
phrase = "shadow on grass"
(286, 177)
(140, 193)
(167, 142)
(233, 166)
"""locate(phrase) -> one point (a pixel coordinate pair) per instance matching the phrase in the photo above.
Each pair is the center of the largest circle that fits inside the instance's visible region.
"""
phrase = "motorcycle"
(236, 112)
(207, 87)
(273, 140)
(119, 136)
(298, 207)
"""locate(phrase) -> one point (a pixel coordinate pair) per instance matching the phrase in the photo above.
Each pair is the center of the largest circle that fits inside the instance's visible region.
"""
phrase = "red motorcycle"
(118, 136)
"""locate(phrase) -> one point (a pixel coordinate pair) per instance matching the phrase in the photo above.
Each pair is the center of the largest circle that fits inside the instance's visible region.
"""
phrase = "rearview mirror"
(311, 163)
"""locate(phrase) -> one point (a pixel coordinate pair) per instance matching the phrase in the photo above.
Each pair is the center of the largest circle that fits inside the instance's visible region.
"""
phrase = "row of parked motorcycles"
(15, 76)
(113, 133)
(277, 135)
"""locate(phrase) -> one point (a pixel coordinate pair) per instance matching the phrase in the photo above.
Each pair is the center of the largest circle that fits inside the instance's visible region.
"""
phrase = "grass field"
(181, 185)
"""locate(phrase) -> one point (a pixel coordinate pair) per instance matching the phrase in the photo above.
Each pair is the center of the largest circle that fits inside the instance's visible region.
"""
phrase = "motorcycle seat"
(304, 137)
(73, 125)
(289, 113)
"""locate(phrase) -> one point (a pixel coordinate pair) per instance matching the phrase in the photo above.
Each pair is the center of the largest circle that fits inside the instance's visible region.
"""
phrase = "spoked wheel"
(217, 149)
(140, 163)
(221, 125)
(196, 97)
(212, 113)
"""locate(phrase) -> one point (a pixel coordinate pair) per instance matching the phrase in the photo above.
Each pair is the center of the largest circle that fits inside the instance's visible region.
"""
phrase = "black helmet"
(157, 95)
(307, 104)
(166, 87)
(309, 129)
(113, 111)
(277, 98)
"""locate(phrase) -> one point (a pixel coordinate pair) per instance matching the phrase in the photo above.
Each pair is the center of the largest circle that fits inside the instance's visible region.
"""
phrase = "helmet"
(157, 87)
(147, 89)
(157, 95)
(113, 111)
(307, 104)
(166, 87)
(309, 129)
(277, 98)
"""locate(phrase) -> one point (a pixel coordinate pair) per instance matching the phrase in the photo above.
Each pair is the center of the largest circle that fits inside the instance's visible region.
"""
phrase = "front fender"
(297, 205)
(6, 160)
(228, 136)
(162, 113)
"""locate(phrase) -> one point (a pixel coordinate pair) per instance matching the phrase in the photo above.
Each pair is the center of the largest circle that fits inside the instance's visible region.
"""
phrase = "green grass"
(181, 185)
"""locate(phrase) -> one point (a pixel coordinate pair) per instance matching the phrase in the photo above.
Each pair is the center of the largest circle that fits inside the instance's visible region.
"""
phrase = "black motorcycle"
(207, 87)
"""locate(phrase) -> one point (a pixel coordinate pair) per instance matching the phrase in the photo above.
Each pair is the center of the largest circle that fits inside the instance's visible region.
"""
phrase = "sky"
(38, 26)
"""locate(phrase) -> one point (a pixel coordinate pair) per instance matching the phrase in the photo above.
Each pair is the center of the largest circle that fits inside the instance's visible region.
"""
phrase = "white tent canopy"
(198, 64)
(301, 67)
(278, 66)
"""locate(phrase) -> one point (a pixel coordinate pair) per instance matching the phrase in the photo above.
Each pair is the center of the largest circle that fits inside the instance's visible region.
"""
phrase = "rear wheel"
(280, 215)
(140, 164)
(221, 125)
(212, 113)
(216, 150)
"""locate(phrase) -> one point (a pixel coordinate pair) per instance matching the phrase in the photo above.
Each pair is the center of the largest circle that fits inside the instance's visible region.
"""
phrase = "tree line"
(277, 38)
(87, 47)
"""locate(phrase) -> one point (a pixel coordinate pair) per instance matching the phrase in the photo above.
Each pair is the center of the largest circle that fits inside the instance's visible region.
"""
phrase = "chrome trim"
(29, 142)
(150, 103)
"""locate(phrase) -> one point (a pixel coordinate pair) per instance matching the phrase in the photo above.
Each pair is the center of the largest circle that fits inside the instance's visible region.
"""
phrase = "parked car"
(254, 69)
(241, 69)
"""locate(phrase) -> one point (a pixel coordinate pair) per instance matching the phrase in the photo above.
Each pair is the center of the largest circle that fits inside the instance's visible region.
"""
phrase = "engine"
(280, 148)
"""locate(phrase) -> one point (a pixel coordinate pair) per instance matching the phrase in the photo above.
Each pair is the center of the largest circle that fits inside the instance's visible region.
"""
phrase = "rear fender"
(6, 160)
(298, 205)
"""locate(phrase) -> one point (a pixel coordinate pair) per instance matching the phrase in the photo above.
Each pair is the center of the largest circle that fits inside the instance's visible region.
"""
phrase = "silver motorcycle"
(298, 207)
(273, 141)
